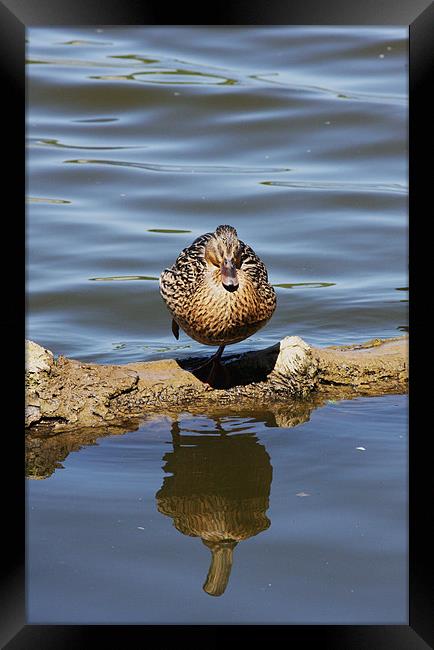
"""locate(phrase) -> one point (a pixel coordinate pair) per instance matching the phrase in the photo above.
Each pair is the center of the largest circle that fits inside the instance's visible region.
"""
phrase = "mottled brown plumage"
(217, 290)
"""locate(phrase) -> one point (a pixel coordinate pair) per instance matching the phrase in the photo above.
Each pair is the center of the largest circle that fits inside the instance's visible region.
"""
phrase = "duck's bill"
(229, 276)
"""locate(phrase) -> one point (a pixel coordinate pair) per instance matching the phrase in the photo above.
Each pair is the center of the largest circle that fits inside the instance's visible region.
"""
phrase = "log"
(290, 378)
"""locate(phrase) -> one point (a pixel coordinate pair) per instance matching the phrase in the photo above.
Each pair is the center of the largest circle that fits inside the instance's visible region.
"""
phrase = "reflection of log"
(45, 450)
(218, 490)
(65, 393)
(45, 453)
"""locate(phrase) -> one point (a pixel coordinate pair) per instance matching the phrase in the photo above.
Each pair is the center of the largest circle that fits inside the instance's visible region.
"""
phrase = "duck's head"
(223, 252)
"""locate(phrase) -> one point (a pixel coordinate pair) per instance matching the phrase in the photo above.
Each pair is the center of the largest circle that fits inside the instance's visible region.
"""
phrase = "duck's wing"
(255, 268)
(253, 265)
(179, 281)
(190, 263)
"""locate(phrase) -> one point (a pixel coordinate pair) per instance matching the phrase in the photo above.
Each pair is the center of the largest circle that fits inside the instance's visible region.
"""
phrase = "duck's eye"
(211, 256)
(237, 259)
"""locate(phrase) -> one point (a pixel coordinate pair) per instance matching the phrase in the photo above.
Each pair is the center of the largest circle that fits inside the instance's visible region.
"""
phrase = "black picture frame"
(418, 15)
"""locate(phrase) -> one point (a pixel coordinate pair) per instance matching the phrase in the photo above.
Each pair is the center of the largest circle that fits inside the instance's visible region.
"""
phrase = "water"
(139, 140)
(319, 512)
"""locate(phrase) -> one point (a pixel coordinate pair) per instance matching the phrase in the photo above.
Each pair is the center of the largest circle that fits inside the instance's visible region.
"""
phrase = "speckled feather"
(202, 307)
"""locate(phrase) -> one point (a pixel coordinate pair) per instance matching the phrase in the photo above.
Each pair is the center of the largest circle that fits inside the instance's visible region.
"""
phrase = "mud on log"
(64, 394)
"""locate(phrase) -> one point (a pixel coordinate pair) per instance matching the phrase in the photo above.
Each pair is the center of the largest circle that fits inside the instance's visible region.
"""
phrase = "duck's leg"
(215, 357)
(215, 361)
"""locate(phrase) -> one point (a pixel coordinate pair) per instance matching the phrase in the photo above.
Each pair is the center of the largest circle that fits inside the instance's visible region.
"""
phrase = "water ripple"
(176, 76)
(168, 231)
(378, 188)
(166, 71)
(94, 120)
(74, 63)
(124, 278)
(60, 145)
(313, 285)
(183, 169)
(37, 199)
(85, 42)
(271, 77)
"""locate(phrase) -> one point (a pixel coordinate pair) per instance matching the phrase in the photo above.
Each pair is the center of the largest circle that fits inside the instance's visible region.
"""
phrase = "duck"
(217, 292)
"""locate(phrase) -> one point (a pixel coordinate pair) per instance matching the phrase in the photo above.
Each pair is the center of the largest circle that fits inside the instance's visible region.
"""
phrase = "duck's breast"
(214, 316)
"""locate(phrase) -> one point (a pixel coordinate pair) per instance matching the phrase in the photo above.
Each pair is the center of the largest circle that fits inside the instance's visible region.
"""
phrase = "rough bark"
(67, 395)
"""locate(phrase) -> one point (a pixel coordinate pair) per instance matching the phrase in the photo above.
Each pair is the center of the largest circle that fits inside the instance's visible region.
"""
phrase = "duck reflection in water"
(219, 491)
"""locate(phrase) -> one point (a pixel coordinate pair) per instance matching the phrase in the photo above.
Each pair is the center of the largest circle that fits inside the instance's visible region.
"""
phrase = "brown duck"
(217, 291)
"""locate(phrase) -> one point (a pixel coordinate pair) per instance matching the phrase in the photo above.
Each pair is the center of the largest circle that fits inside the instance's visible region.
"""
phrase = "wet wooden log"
(65, 394)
